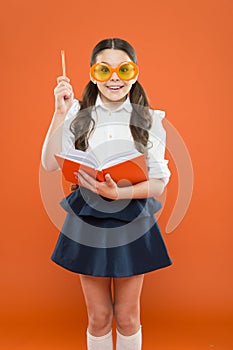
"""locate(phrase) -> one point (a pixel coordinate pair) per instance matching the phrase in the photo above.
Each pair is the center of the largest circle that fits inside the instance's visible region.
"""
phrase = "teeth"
(114, 87)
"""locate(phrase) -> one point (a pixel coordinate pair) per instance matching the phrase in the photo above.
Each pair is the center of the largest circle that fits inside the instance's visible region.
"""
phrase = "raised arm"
(53, 141)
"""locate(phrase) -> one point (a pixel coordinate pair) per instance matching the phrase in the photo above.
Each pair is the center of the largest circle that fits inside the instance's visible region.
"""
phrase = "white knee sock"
(99, 343)
(132, 342)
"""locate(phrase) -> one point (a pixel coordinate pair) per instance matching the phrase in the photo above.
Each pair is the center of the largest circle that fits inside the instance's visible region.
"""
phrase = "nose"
(114, 76)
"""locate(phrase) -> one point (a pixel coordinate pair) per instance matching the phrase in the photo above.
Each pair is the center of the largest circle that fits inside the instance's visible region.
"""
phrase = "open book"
(128, 167)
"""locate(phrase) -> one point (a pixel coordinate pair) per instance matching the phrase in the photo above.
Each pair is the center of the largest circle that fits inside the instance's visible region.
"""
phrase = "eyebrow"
(110, 64)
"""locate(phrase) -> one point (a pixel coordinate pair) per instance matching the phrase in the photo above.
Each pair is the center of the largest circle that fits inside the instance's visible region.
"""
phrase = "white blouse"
(112, 135)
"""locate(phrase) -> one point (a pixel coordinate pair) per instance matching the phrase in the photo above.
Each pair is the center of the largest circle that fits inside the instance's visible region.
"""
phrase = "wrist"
(59, 114)
(125, 192)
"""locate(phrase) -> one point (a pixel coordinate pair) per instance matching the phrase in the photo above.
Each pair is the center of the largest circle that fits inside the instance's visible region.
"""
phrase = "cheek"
(100, 86)
(128, 86)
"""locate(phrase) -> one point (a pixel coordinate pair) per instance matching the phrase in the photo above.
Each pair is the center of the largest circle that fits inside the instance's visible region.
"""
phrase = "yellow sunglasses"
(103, 71)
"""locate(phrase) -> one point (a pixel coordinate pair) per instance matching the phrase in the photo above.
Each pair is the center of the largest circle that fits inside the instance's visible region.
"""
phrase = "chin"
(115, 97)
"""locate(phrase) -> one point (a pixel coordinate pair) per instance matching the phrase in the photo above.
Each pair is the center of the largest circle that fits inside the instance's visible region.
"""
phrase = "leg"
(98, 298)
(127, 293)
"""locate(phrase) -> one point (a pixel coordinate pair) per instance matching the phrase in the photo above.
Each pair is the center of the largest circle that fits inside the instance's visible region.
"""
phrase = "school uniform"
(113, 238)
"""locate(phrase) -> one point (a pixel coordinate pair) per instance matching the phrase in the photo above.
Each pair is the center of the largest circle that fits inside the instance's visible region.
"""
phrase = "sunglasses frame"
(112, 70)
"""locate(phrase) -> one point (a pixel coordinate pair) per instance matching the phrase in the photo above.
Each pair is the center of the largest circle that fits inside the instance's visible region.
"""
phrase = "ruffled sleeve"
(68, 138)
(158, 166)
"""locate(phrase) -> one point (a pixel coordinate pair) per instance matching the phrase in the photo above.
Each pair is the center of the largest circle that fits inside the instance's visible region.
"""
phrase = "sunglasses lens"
(101, 72)
(127, 71)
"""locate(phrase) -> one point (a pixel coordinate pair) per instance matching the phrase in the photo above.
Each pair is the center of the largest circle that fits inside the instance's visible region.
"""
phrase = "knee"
(100, 321)
(127, 319)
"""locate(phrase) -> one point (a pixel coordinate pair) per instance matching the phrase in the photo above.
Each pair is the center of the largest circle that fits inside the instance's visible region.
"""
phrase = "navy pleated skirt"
(110, 238)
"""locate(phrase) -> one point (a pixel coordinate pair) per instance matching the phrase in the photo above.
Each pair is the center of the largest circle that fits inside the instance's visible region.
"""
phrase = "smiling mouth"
(115, 88)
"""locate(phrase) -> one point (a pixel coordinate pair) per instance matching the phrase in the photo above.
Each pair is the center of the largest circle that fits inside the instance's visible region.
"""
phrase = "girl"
(110, 236)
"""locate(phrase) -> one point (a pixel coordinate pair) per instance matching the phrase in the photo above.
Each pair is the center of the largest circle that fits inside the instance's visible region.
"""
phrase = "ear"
(133, 81)
(93, 80)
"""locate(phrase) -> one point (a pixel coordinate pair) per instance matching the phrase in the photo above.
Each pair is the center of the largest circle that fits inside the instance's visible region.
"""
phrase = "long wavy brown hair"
(140, 120)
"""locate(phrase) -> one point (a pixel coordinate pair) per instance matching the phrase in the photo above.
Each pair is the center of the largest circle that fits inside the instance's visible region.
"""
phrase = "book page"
(90, 159)
(86, 158)
(119, 158)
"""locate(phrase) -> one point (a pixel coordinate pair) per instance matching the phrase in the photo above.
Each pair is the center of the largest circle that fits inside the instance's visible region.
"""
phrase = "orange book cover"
(127, 168)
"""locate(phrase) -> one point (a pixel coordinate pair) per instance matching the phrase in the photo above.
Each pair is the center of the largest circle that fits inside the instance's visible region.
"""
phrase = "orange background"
(189, 305)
